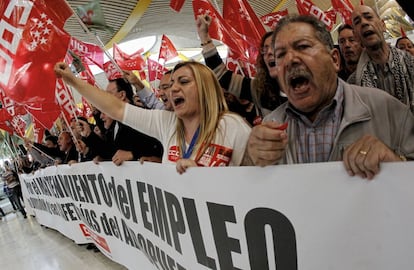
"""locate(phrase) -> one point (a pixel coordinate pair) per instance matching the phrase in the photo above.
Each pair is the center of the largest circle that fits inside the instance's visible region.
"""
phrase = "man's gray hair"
(321, 31)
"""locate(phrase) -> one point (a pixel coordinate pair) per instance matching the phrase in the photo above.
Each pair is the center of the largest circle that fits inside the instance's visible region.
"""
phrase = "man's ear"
(122, 94)
(336, 59)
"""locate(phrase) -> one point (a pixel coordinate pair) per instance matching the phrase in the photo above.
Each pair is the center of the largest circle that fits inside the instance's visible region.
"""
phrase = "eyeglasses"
(265, 49)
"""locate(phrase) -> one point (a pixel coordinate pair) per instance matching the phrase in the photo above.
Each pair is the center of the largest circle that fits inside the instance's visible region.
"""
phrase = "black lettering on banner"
(155, 255)
(29, 187)
(225, 245)
(59, 191)
(110, 226)
(196, 236)
(123, 198)
(89, 217)
(144, 205)
(159, 215)
(92, 178)
(43, 186)
(175, 215)
(68, 211)
(106, 195)
(126, 201)
(284, 239)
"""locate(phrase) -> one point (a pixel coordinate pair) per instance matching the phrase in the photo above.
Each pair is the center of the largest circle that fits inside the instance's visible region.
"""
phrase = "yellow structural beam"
(132, 20)
(281, 3)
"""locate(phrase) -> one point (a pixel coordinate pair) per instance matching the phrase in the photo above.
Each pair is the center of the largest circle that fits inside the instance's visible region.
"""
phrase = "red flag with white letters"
(241, 16)
(155, 70)
(5, 121)
(345, 8)
(128, 61)
(307, 7)
(111, 71)
(65, 100)
(89, 53)
(32, 40)
(273, 18)
(167, 50)
(221, 30)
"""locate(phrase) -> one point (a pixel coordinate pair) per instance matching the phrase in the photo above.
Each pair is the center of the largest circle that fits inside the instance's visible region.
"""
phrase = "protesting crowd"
(309, 101)
(303, 98)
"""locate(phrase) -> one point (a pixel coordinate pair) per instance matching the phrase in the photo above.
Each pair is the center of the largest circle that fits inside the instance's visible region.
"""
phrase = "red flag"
(65, 100)
(19, 126)
(167, 50)
(5, 121)
(241, 16)
(307, 7)
(128, 61)
(220, 29)
(45, 115)
(177, 4)
(273, 18)
(402, 32)
(38, 130)
(11, 106)
(155, 70)
(345, 8)
(90, 53)
(32, 40)
(111, 71)
(86, 109)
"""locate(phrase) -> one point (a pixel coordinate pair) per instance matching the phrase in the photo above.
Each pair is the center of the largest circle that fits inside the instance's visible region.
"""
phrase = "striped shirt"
(315, 139)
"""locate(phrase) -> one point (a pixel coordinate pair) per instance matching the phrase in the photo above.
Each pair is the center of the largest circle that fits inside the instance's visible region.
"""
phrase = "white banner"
(311, 216)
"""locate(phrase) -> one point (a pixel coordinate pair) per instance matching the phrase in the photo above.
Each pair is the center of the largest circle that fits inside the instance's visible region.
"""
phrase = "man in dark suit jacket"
(125, 143)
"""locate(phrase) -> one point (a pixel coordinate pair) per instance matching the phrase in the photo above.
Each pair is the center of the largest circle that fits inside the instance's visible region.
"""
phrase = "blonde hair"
(212, 106)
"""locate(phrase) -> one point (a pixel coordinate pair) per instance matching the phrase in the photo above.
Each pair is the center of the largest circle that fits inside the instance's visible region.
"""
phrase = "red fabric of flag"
(91, 54)
(307, 7)
(32, 40)
(111, 71)
(345, 8)
(167, 49)
(126, 61)
(65, 100)
(45, 115)
(155, 70)
(241, 16)
(221, 30)
(273, 18)
(403, 34)
(86, 109)
(38, 131)
(5, 121)
(177, 4)
(10, 105)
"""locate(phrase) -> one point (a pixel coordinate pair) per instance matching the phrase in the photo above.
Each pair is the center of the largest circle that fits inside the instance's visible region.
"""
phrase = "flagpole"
(38, 149)
(217, 7)
(97, 38)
